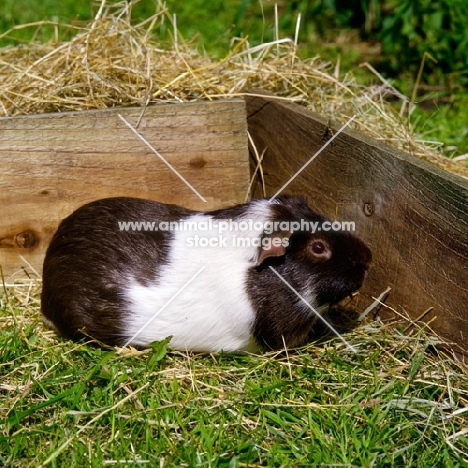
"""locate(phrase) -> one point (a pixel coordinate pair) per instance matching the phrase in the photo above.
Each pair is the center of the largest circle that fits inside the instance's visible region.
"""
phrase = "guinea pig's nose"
(368, 257)
(363, 257)
(359, 263)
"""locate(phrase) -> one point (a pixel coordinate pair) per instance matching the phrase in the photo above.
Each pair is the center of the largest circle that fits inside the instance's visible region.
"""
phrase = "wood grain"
(413, 215)
(53, 163)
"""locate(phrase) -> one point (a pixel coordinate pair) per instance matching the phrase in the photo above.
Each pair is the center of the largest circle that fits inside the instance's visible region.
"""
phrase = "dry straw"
(114, 62)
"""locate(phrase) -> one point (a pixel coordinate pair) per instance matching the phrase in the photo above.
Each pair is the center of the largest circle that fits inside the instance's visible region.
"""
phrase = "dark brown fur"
(281, 314)
(85, 247)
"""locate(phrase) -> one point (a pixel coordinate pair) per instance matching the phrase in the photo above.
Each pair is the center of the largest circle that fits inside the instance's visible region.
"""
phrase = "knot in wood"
(369, 208)
(197, 163)
(25, 239)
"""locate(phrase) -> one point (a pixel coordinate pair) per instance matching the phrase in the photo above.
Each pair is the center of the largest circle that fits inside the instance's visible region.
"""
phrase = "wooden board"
(413, 215)
(53, 163)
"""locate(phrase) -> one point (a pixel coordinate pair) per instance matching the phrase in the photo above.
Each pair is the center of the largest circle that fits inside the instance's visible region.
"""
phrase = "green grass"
(392, 403)
(447, 122)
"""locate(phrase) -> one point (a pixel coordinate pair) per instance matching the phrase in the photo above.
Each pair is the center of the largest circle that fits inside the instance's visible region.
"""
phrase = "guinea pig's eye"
(320, 250)
(318, 247)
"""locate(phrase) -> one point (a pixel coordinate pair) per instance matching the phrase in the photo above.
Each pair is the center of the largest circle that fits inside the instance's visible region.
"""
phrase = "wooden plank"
(53, 163)
(412, 214)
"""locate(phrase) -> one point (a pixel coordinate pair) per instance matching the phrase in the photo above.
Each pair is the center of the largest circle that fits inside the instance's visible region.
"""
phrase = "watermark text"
(245, 225)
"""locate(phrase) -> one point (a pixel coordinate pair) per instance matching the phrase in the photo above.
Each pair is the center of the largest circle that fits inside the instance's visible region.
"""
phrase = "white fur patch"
(213, 312)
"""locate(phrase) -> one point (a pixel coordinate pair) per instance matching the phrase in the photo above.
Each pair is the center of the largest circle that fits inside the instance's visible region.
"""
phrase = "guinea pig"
(254, 276)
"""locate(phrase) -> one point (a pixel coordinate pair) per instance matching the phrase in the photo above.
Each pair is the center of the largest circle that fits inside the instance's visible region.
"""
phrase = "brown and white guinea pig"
(122, 284)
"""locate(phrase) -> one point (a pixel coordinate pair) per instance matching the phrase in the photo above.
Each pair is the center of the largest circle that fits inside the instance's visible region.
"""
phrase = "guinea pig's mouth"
(341, 288)
(333, 299)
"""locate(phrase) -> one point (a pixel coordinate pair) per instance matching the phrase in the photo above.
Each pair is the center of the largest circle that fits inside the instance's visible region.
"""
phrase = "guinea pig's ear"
(273, 245)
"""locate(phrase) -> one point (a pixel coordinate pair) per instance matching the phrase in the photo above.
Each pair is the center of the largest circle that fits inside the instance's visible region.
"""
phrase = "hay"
(113, 62)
